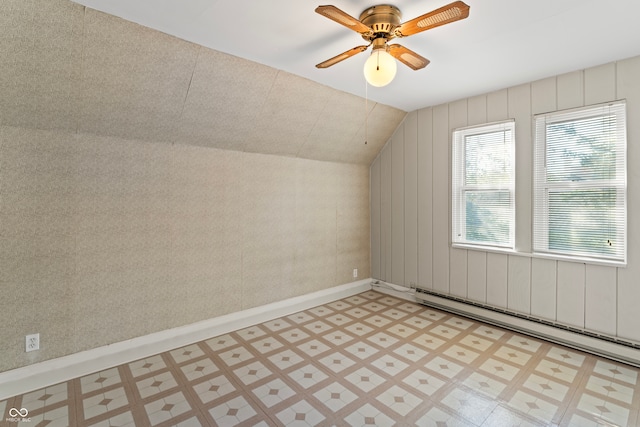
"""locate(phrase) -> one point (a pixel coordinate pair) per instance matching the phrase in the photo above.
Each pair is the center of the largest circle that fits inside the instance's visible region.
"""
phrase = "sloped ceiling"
(502, 43)
(239, 75)
(73, 68)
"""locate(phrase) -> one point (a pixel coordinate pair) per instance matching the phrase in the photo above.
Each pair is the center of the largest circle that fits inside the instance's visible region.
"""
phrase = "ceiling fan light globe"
(380, 68)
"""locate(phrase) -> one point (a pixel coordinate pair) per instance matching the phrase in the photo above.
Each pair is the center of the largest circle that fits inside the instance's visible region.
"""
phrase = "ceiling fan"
(380, 24)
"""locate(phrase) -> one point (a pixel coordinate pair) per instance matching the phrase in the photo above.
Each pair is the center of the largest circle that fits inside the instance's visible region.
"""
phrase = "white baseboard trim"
(43, 374)
(397, 291)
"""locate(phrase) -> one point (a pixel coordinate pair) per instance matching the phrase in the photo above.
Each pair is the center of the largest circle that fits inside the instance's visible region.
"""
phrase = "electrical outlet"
(33, 342)
(355, 273)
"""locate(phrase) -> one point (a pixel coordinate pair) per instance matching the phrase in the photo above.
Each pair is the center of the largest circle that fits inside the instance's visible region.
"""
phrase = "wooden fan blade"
(445, 15)
(408, 57)
(348, 54)
(343, 18)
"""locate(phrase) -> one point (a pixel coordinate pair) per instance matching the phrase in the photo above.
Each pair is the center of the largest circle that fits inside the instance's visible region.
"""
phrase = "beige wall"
(105, 239)
(410, 209)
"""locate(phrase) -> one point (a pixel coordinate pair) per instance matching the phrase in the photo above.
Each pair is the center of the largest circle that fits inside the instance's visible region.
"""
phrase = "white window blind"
(580, 183)
(483, 183)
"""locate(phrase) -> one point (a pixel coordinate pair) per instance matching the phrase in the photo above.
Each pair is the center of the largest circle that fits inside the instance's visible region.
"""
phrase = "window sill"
(540, 255)
(496, 249)
(581, 260)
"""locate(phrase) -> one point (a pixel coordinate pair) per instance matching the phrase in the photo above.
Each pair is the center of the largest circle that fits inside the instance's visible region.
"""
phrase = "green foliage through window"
(483, 185)
(580, 183)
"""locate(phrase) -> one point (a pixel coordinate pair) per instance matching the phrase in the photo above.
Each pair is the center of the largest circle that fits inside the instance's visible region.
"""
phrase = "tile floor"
(366, 360)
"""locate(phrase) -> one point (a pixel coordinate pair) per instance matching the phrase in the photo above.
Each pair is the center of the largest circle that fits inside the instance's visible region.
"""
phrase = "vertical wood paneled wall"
(411, 209)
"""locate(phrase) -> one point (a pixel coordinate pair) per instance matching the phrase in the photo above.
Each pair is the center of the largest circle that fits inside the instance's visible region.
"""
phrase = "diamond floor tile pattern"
(367, 360)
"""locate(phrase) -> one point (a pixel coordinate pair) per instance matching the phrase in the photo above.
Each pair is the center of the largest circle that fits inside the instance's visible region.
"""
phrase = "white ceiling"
(502, 43)
(68, 67)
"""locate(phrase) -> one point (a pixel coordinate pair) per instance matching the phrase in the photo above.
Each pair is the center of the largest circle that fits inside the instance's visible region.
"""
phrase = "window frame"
(459, 187)
(542, 187)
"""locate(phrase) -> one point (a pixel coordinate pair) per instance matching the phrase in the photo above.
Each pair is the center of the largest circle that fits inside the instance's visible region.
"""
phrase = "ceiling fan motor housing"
(382, 19)
(379, 24)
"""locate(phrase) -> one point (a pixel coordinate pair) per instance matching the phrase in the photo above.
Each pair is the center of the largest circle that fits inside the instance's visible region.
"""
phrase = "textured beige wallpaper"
(105, 239)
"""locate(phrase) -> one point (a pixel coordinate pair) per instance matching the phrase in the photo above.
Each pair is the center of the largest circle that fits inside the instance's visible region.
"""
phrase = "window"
(580, 184)
(483, 182)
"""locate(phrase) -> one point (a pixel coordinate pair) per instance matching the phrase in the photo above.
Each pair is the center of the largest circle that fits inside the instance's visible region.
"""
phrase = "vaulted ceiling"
(501, 44)
(241, 76)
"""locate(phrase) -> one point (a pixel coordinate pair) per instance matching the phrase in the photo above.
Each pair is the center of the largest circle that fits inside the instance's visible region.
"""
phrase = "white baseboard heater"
(602, 345)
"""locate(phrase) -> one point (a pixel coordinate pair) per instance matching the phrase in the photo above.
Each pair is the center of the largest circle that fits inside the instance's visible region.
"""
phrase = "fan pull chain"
(366, 112)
